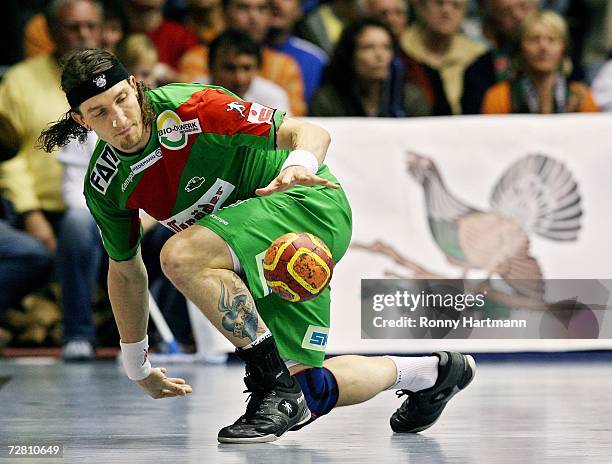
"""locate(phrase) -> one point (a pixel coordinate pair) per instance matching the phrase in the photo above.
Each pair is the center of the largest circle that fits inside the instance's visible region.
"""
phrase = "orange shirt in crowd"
(36, 37)
(498, 99)
(278, 67)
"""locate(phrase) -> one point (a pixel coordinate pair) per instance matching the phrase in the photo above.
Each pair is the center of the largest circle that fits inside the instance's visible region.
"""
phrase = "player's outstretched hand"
(157, 385)
(291, 176)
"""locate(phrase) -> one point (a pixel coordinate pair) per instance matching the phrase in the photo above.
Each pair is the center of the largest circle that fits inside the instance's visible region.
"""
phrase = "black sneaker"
(423, 408)
(268, 415)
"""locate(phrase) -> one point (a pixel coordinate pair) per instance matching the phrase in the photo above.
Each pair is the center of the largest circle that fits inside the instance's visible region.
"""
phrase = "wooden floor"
(514, 412)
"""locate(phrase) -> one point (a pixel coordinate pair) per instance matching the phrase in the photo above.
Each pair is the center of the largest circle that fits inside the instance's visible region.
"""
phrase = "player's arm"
(128, 293)
(294, 134)
(127, 290)
(308, 144)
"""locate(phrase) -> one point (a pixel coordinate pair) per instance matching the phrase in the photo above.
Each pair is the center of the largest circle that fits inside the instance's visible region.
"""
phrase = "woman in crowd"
(357, 81)
(540, 85)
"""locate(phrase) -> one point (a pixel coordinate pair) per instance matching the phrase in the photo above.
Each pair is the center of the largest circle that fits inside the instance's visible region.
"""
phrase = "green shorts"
(250, 226)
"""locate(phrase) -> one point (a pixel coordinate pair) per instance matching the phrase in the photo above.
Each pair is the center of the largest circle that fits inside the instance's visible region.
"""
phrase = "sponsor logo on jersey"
(172, 132)
(219, 219)
(147, 161)
(315, 338)
(104, 170)
(194, 183)
(236, 107)
(259, 114)
(140, 166)
(208, 203)
(128, 180)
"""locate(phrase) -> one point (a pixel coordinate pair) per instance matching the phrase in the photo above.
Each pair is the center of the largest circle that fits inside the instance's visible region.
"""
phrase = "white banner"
(422, 193)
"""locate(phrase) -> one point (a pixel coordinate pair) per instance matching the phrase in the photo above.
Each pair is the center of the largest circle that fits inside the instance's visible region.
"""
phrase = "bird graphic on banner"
(535, 195)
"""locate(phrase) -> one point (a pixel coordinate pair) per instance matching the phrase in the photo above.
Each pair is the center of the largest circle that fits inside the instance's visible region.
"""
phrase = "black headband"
(96, 85)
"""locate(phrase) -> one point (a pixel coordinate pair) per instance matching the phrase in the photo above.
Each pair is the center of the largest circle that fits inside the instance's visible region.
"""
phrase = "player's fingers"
(285, 178)
(316, 180)
(271, 188)
(165, 393)
(303, 179)
(176, 380)
(177, 389)
(327, 183)
(181, 383)
(279, 184)
(163, 369)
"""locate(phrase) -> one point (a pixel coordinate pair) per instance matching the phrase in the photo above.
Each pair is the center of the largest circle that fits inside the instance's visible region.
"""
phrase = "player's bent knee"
(320, 390)
(172, 257)
(193, 250)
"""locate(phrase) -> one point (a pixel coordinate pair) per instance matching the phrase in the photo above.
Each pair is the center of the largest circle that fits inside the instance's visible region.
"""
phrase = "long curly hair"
(340, 71)
(76, 68)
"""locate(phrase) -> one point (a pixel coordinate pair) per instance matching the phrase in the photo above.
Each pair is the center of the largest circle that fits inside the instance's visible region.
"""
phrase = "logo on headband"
(100, 80)
(173, 132)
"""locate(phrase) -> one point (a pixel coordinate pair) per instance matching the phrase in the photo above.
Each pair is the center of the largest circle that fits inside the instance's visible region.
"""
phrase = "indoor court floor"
(514, 412)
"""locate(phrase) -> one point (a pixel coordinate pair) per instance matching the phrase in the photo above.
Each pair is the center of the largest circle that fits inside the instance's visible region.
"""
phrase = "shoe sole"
(264, 439)
(472, 363)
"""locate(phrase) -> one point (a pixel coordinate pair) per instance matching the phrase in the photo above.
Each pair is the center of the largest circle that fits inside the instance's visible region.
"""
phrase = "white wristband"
(135, 360)
(302, 158)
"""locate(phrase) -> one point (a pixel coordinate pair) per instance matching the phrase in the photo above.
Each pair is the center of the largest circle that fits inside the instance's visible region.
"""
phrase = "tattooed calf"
(239, 314)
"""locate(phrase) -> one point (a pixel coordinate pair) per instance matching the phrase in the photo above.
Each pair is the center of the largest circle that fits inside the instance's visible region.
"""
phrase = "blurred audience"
(358, 79)
(31, 97)
(25, 263)
(325, 23)
(579, 21)
(253, 18)
(171, 38)
(602, 87)
(114, 25)
(234, 61)
(281, 37)
(598, 38)
(80, 253)
(500, 22)
(394, 14)
(437, 41)
(138, 54)
(205, 18)
(38, 39)
(543, 64)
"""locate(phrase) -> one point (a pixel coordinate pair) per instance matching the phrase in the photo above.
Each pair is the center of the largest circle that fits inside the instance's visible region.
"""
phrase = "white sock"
(258, 340)
(415, 373)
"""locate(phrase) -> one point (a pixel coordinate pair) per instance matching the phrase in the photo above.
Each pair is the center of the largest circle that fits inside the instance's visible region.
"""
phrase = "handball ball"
(298, 266)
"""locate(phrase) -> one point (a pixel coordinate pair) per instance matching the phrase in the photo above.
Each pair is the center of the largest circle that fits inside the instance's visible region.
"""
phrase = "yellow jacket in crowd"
(31, 98)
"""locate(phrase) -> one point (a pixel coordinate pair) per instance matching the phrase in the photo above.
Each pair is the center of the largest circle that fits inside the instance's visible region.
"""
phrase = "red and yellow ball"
(298, 266)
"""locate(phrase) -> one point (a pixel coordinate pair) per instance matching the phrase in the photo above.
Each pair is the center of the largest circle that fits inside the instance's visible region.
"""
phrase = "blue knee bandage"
(320, 390)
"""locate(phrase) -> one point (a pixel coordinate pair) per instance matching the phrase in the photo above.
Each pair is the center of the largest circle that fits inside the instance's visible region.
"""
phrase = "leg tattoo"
(239, 312)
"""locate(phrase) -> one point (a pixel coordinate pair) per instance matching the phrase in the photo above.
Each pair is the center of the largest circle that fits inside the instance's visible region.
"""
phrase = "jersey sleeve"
(120, 229)
(221, 112)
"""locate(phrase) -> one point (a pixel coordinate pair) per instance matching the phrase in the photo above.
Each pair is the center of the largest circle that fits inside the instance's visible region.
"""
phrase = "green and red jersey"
(207, 149)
